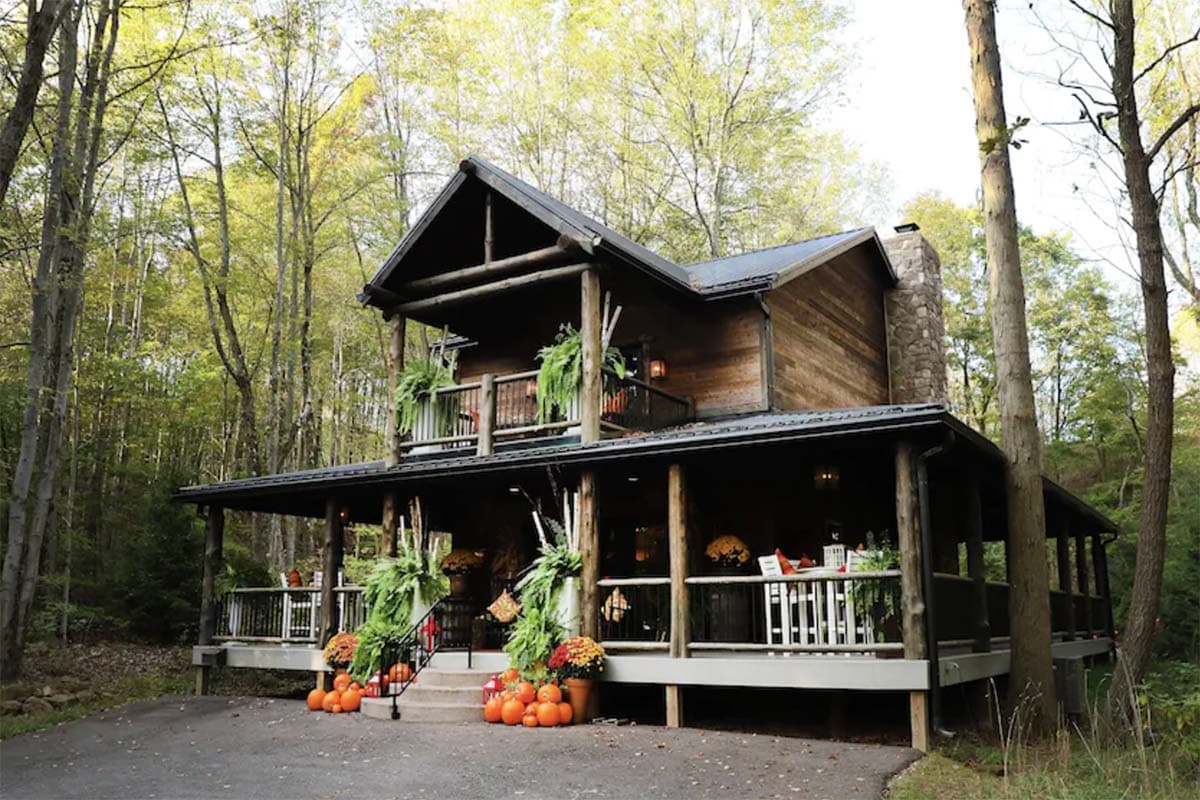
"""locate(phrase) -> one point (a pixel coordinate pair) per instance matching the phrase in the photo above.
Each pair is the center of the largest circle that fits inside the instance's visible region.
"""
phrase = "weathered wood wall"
(829, 338)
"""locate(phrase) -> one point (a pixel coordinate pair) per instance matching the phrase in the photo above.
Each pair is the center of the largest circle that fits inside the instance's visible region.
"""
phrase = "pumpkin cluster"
(524, 704)
(345, 697)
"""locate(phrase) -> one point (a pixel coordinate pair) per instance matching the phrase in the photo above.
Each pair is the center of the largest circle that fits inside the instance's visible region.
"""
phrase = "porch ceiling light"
(825, 478)
(514, 490)
(344, 514)
(658, 369)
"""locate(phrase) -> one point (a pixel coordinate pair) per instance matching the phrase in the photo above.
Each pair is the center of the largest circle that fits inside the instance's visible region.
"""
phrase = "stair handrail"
(422, 642)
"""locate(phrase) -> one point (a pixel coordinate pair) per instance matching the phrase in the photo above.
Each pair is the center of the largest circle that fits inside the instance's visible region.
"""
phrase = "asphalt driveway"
(257, 748)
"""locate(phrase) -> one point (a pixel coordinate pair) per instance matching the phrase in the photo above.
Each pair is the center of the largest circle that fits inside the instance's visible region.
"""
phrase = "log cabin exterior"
(798, 398)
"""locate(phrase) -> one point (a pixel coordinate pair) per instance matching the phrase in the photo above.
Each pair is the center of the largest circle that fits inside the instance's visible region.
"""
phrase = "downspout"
(931, 650)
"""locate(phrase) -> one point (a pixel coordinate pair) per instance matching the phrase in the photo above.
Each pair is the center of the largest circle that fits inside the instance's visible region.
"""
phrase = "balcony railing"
(458, 417)
(815, 612)
(285, 615)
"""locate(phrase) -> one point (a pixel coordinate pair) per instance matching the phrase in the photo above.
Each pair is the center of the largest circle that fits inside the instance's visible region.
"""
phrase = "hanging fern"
(561, 372)
(878, 596)
(416, 384)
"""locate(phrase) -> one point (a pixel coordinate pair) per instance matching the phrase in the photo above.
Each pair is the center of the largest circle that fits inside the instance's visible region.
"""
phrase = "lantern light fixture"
(658, 369)
(825, 478)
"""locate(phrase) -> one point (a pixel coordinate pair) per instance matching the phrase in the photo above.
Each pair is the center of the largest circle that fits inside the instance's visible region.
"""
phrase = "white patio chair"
(781, 597)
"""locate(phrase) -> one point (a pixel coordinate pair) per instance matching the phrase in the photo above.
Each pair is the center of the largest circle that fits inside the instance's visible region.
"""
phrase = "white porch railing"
(284, 615)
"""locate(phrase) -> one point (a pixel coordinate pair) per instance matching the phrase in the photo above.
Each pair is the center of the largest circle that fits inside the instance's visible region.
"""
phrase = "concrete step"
(422, 692)
(457, 679)
(410, 711)
(490, 661)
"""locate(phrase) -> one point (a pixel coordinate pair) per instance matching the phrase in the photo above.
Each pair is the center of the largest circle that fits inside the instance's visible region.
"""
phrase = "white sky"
(911, 110)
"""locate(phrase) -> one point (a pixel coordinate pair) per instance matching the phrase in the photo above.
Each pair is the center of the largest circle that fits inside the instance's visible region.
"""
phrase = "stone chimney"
(915, 331)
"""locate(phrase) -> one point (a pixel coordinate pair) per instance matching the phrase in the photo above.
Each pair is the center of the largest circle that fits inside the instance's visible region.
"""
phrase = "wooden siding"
(714, 351)
(829, 337)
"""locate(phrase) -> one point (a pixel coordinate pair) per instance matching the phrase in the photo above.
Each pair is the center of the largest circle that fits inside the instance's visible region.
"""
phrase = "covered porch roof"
(361, 486)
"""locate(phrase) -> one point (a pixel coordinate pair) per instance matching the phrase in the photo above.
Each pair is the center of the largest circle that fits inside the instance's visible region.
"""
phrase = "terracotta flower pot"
(579, 694)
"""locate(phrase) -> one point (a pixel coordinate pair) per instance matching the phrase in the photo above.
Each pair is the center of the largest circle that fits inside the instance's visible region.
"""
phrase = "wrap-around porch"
(796, 486)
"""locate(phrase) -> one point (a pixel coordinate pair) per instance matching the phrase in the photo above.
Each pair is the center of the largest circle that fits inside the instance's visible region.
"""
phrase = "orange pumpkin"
(351, 700)
(341, 682)
(565, 714)
(547, 715)
(525, 692)
(530, 721)
(331, 699)
(400, 673)
(337, 709)
(510, 675)
(550, 694)
(511, 712)
(315, 698)
(356, 687)
(492, 708)
(531, 709)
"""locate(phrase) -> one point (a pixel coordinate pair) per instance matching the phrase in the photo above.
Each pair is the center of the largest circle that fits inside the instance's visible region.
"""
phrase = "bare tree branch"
(1179, 122)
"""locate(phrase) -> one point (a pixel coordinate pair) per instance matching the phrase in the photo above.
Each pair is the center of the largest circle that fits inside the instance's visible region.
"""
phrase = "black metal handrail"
(420, 644)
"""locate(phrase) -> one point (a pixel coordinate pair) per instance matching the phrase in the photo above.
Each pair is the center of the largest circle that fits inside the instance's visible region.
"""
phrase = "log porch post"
(1081, 571)
(677, 538)
(912, 600)
(1062, 547)
(589, 551)
(487, 415)
(395, 365)
(214, 542)
(975, 569)
(590, 389)
(1100, 562)
(331, 559)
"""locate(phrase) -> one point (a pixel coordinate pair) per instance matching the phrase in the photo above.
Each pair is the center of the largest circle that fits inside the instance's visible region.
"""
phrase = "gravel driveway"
(257, 748)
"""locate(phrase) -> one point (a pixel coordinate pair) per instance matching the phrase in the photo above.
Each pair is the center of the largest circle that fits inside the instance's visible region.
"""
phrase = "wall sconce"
(825, 479)
(344, 515)
(658, 369)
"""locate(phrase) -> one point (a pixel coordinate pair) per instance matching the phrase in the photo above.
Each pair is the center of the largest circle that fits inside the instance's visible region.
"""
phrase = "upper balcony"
(496, 410)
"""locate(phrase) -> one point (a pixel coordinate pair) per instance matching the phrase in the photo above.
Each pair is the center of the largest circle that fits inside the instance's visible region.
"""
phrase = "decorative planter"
(567, 606)
(579, 695)
(727, 608)
(459, 584)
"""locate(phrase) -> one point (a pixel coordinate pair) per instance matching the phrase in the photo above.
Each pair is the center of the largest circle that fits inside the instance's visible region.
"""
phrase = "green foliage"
(561, 372)
(396, 584)
(532, 637)
(416, 385)
(881, 596)
(374, 637)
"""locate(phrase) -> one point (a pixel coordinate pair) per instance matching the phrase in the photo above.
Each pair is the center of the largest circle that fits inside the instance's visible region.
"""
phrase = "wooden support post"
(487, 415)
(1062, 551)
(912, 600)
(589, 551)
(677, 538)
(331, 559)
(1100, 561)
(392, 454)
(487, 228)
(674, 706)
(214, 543)
(975, 569)
(1081, 573)
(590, 389)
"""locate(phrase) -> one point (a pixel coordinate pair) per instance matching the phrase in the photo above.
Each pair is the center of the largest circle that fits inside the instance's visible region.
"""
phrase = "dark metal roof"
(743, 430)
(722, 277)
(767, 269)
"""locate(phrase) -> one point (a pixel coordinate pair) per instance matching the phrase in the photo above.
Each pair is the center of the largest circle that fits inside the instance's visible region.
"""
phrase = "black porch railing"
(633, 404)
(402, 662)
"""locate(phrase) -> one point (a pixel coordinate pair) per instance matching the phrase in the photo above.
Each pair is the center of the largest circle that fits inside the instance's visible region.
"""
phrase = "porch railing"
(823, 612)
(456, 417)
(284, 615)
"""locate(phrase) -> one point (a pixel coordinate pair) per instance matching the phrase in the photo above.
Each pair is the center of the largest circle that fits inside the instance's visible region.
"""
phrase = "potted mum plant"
(728, 555)
(728, 605)
(457, 565)
(339, 651)
(578, 661)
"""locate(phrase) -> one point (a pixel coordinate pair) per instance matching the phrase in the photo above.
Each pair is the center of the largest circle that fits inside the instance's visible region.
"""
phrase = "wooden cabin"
(793, 397)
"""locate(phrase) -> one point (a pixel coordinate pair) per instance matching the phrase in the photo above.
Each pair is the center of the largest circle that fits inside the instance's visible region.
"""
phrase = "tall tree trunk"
(1133, 655)
(40, 24)
(1031, 683)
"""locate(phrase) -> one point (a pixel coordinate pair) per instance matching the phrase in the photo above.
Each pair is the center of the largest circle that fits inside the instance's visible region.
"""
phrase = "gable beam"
(565, 249)
(489, 289)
